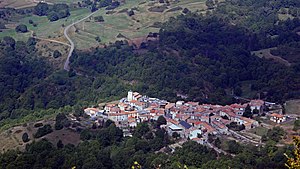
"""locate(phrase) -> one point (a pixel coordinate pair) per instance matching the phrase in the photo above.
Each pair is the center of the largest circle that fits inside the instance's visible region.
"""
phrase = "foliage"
(99, 18)
(294, 162)
(56, 54)
(296, 125)
(274, 134)
(46, 129)
(161, 121)
(234, 126)
(25, 137)
(21, 28)
(248, 112)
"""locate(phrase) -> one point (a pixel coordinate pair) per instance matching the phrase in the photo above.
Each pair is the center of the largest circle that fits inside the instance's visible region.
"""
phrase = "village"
(186, 120)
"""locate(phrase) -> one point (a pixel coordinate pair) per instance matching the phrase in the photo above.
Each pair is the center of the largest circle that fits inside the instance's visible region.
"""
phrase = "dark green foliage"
(2, 25)
(61, 121)
(274, 134)
(25, 137)
(41, 9)
(59, 144)
(55, 12)
(161, 120)
(234, 126)
(56, 54)
(130, 12)
(53, 16)
(98, 39)
(248, 112)
(141, 130)
(99, 18)
(296, 125)
(43, 131)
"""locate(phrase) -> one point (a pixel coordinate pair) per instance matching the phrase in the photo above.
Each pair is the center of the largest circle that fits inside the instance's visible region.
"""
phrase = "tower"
(130, 96)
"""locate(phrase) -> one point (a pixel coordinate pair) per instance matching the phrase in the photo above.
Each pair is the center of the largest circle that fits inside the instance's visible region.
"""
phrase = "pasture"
(118, 22)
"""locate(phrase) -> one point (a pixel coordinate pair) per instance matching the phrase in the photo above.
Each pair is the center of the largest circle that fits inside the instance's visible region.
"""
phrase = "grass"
(44, 28)
(139, 25)
(292, 107)
(18, 4)
(259, 131)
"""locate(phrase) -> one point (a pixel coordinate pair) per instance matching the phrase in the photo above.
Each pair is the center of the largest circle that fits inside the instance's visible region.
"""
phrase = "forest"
(106, 148)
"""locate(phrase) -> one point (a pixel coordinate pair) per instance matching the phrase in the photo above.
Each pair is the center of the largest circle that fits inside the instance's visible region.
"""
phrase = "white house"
(277, 118)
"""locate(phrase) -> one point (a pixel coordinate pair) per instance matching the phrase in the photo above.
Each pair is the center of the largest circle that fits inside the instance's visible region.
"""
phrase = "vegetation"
(54, 13)
(274, 134)
(46, 129)
(106, 148)
(21, 28)
(25, 137)
(294, 162)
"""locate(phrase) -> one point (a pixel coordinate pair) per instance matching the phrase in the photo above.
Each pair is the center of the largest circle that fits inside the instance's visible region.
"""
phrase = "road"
(67, 63)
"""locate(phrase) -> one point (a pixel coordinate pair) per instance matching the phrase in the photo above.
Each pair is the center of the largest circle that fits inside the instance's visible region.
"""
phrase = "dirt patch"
(12, 138)
(265, 53)
(67, 136)
(46, 50)
(292, 107)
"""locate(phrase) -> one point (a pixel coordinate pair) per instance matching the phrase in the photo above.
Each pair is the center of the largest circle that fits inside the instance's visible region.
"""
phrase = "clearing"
(265, 53)
(12, 138)
(292, 107)
(118, 22)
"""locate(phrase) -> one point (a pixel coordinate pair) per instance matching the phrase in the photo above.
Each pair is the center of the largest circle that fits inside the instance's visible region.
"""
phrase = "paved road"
(67, 63)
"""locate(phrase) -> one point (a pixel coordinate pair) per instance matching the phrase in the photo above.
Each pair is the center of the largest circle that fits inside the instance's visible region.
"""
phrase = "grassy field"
(292, 107)
(119, 22)
(18, 4)
(44, 28)
(84, 33)
(259, 131)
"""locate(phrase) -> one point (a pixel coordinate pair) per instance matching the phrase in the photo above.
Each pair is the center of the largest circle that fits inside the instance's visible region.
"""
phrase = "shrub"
(21, 28)
(25, 137)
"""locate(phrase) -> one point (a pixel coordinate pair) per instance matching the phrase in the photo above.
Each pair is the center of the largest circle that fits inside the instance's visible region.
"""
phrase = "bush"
(99, 18)
(56, 54)
(21, 28)
(53, 16)
(25, 137)
(43, 131)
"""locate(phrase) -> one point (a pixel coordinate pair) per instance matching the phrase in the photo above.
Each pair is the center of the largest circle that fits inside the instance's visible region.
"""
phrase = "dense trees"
(46, 129)
(55, 12)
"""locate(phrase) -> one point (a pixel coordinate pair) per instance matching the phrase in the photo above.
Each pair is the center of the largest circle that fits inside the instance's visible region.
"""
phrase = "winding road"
(67, 63)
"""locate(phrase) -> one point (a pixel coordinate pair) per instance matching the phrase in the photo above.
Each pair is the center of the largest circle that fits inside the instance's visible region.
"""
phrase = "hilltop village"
(189, 120)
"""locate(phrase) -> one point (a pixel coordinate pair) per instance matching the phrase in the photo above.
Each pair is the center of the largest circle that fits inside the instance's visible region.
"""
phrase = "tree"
(43, 131)
(56, 54)
(160, 121)
(41, 9)
(21, 28)
(99, 18)
(294, 161)
(25, 137)
(8, 41)
(248, 112)
(175, 135)
(53, 16)
(60, 144)
(2, 25)
(296, 125)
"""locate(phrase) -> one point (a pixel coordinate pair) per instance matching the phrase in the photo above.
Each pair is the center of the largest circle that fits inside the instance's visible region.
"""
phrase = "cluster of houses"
(189, 120)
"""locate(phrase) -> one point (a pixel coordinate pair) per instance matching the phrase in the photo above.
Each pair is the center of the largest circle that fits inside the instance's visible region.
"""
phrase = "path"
(67, 63)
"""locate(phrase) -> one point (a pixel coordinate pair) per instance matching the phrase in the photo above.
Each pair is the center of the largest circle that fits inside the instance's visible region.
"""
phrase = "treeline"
(108, 149)
(199, 57)
(53, 12)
